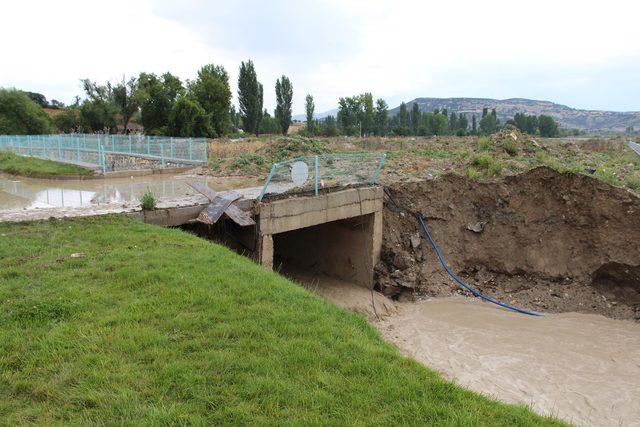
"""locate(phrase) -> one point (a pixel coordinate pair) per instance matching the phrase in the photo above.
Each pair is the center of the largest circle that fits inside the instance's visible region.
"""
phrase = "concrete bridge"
(337, 232)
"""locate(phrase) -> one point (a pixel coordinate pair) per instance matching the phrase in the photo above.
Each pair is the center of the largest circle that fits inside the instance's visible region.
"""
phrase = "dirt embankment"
(544, 240)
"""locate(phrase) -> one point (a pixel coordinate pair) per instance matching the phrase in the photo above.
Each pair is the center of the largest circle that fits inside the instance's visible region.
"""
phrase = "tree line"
(165, 105)
(358, 116)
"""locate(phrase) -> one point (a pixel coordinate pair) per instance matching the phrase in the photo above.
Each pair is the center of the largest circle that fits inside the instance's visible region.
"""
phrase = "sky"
(585, 54)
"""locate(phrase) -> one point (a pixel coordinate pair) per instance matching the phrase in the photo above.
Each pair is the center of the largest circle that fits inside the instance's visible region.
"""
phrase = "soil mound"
(544, 240)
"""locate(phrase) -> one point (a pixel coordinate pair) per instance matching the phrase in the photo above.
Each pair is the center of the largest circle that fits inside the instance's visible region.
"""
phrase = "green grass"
(110, 321)
(38, 168)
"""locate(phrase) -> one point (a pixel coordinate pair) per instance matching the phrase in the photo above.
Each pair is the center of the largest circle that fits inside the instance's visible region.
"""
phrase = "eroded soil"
(543, 240)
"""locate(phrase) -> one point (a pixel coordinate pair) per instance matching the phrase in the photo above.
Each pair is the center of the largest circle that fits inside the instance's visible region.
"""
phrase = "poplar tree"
(309, 106)
(250, 97)
(284, 94)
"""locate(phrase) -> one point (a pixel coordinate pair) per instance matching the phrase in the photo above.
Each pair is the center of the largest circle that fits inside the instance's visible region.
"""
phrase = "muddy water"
(28, 193)
(580, 367)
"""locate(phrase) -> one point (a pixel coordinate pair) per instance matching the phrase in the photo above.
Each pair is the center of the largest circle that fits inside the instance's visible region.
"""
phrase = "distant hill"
(593, 121)
(571, 118)
(303, 117)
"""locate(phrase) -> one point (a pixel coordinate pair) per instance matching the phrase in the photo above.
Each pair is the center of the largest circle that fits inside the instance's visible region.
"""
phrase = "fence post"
(162, 154)
(78, 150)
(148, 146)
(315, 174)
(171, 148)
(102, 159)
(59, 149)
(190, 149)
(129, 143)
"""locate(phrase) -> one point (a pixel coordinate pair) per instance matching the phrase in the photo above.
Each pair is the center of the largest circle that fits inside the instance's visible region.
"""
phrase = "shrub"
(148, 201)
(19, 115)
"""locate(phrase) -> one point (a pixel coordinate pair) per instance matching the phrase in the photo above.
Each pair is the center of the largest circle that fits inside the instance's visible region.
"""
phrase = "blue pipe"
(461, 282)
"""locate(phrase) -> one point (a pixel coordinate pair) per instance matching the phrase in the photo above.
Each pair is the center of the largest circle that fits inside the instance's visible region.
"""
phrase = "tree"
(351, 114)
(382, 117)
(415, 118)
(211, 90)
(488, 124)
(548, 126)
(99, 111)
(440, 124)
(474, 125)
(19, 115)
(38, 98)
(250, 97)
(402, 126)
(309, 107)
(269, 125)
(158, 97)
(453, 123)
(68, 120)
(463, 124)
(188, 118)
(368, 114)
(284, 94)
(328, 126)
(127, 100)
(235, 118)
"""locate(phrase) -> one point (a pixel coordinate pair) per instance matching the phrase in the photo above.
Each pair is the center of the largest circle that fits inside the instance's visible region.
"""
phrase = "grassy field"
(38, 168)
(110, 321)
(481, 158)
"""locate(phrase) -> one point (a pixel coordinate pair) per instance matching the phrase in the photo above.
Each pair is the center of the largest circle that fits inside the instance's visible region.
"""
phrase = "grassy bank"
(109, 320)
(38, 168)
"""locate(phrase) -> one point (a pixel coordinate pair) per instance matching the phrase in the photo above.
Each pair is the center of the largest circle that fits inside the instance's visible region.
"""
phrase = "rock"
(401, 260)
(77, 255)
(478, 227)
(415, 241)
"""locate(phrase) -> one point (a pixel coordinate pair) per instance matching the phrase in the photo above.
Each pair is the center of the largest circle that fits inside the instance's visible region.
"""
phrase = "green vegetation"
(250, 97)
(38, 168)
(20, 115)
(110, 321)
(148, 201)
(490, 165)
(284, 94)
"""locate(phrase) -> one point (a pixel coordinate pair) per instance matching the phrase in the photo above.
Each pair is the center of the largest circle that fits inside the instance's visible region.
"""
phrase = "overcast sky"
(585, 54)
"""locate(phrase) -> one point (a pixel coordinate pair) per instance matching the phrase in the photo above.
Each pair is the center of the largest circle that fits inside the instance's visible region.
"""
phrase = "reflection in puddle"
(28, 193)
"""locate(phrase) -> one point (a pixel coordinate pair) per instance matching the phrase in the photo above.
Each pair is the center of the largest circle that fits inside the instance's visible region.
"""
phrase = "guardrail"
(110, 152)
(314, 173)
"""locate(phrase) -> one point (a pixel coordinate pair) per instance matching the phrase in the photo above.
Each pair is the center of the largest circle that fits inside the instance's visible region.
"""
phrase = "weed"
(148, 201)
(491, 166)
(473, 173)
(510, 148)
(633, 182)
(485, 144)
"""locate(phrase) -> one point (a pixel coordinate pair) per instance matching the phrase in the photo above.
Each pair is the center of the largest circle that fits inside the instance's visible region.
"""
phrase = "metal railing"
(314, 173)
(110, 152)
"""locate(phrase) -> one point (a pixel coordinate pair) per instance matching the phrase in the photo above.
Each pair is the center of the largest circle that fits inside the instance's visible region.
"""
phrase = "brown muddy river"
(28, 193)
(583, 368)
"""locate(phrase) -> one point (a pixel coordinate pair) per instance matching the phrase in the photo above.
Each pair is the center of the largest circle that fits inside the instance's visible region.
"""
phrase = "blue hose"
(475, 292)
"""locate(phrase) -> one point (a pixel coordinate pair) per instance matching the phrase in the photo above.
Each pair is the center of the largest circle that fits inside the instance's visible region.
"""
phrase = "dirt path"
(580, 367)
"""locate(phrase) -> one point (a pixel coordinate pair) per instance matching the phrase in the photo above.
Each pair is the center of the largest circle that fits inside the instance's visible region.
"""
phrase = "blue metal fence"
(110, 152)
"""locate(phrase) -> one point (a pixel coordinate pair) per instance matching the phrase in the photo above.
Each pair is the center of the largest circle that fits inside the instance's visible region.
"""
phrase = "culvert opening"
(226, 232)
(338, 249)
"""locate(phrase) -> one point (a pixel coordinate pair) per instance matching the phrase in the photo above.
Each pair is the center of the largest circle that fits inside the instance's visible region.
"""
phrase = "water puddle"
(29, 193)
(583, 368)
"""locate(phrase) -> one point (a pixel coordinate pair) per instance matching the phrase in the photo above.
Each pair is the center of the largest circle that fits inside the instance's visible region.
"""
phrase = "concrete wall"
(339, 233)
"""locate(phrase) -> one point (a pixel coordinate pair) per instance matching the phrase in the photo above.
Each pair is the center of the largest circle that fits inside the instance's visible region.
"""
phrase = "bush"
(188, 118)
(148, 201)
(19, 115)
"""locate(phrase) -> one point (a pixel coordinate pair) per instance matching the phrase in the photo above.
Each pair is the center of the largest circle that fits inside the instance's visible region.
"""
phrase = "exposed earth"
(543, 240)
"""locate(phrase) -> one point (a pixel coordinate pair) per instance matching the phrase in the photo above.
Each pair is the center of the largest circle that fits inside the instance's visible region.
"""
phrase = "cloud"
(580, 53)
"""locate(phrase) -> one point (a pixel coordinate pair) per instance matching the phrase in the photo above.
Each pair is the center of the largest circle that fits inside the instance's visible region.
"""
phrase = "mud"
(580, 367)
(543, 240)
(30, 193)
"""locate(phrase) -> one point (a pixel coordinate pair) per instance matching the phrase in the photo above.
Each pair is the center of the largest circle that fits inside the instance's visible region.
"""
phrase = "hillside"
(572, 118)
(593, 121)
